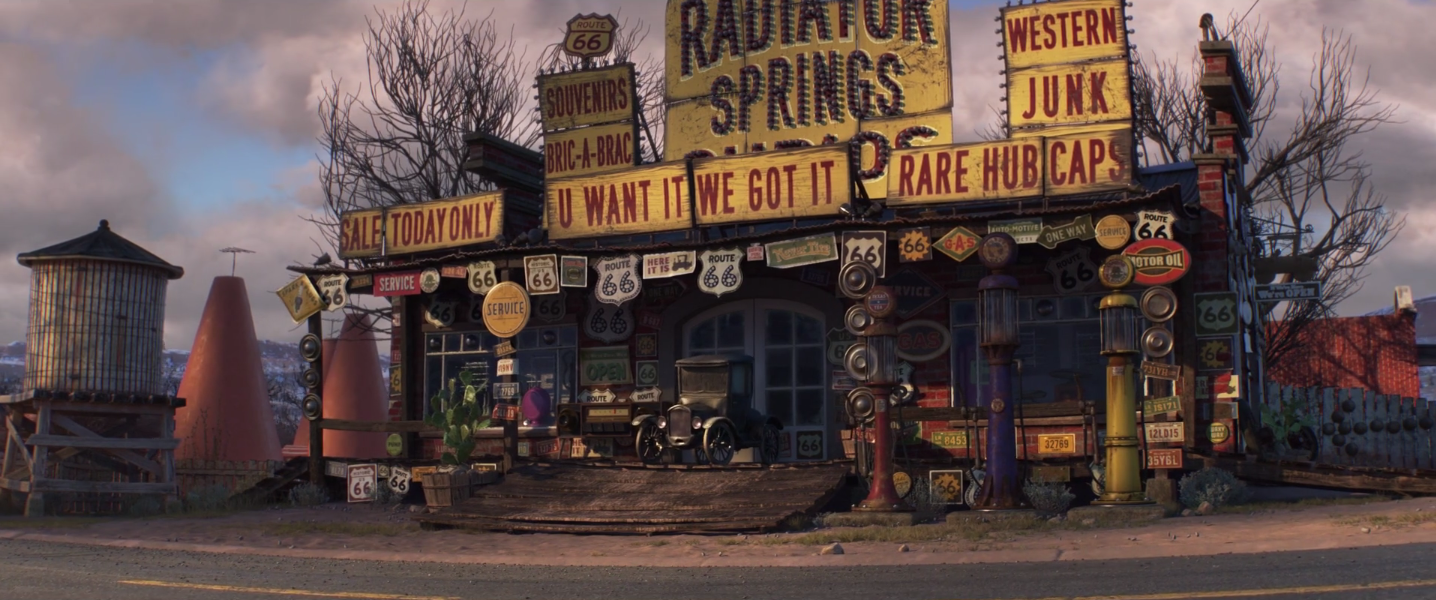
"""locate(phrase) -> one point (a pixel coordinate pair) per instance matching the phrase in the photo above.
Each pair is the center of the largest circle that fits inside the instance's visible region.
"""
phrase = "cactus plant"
(458, 411)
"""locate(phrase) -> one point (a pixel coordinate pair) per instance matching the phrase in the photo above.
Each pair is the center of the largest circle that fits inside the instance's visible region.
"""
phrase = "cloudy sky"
(190, 124)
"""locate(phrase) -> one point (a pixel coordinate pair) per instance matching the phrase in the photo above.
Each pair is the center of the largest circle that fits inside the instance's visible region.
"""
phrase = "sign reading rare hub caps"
(506, 309)
(1158, 261)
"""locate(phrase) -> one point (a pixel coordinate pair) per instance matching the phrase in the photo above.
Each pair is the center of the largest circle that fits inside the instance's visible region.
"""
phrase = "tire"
(769, 445)
(648, 443)
(720, 444)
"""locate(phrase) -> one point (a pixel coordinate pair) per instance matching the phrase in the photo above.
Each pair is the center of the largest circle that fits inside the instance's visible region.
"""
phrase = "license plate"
(1057, 443)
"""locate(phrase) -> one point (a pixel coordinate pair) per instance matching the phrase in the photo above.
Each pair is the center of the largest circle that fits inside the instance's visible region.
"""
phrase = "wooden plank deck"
(576, 498)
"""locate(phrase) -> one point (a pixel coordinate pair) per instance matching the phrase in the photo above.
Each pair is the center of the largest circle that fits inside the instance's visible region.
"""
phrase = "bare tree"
(1307, 193)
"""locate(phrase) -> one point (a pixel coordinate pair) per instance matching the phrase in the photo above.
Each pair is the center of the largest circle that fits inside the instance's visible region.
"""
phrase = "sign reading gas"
(757, 75)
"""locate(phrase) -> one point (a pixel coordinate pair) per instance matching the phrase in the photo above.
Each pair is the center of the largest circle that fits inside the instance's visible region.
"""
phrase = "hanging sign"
(590, 150)
(999, 170)
(550, 308)
(333, 291)
(922, 340)
(1158, 370)
(454, 272)
(1023, 231)
(1216, 313)
(361, 233)
(1113, 231)
(441, 311)
(756, 253)
(541, 274)
(396, 284)
(607, 365)
(506, 366)
(618, 279)
(958, 244)
(721, 271)
(644, 199)
(668, 264)
(788, 184)
(1079, 229)
(362, 481)
(1155, 224)
(914, 245)
(1270, 293)
(575, 272)
(505, 348)
(868, 247)
(915, 292)
(442, 224)
(1072, 272)
(481, 277)
(608, 323)
(506, 310)
(1158, 261)
(301, 299)
(803, 251)
(1168, 433)
(361, 281)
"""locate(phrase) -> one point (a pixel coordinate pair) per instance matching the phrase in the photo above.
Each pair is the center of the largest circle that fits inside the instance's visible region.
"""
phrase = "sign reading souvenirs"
(442, 224)
(589, 150)
(396, 284)
(608, 323)
(300, 298)
(589, 35)
(1155, 224)
(361, 233)
(792, 184)
(604, 366)
(590, 97)
(1158, 261)
(481, 277)
(1079, 229)
(1072, 272)
(333, 291)
(506, 309)
(754, 76)
(668, 264)
(1266, 293)
(914, 245)
(809, 250)
(867, 247)
(541, 274)
(618, 279)
(638, 200)
(1023, 231)
(958, 244)
(720, 271)
(575, 271)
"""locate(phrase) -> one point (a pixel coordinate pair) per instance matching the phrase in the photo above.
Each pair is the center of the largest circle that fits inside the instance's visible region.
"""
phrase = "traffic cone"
(354, 390)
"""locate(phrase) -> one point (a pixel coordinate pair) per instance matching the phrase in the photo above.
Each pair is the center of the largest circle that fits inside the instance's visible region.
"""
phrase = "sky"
(190, 124)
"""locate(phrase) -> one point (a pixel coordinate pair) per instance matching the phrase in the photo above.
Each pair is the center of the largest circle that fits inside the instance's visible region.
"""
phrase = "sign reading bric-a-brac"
(745, 77)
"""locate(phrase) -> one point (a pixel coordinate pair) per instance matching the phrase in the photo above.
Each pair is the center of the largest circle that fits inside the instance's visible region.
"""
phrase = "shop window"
(547, 358)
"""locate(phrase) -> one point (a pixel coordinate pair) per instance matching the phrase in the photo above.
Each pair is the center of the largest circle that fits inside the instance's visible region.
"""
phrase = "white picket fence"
(1378, 431)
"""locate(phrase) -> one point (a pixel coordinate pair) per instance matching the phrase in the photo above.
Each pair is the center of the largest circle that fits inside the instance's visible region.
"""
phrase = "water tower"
(93, 413)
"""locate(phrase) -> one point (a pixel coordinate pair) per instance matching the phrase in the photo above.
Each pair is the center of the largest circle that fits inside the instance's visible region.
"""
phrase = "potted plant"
(458, 410)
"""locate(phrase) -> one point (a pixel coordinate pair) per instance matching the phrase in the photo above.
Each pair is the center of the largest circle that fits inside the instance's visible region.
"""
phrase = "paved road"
(42, 571)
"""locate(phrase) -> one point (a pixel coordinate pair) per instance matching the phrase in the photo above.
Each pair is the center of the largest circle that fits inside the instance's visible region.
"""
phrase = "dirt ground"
(370, 532)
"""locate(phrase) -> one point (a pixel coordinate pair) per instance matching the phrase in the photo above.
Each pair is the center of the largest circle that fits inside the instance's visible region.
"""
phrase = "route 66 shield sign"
(481, 277)
(1073, 271)
(721, 271)
(589, 35)
(608, 323)
(618, 279)
(332, 291)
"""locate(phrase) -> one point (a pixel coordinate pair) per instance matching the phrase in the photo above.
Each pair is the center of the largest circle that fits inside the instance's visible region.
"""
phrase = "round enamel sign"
(1113, 231)
(506, 309)
(1158, 261)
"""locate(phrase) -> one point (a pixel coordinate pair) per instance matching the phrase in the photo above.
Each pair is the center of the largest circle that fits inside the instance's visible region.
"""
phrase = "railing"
(1353, 427)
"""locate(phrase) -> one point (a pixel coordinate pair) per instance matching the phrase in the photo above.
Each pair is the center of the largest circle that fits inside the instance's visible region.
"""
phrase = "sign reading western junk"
(755, 76)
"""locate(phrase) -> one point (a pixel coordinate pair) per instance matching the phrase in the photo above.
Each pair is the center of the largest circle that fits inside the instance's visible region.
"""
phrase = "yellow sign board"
(639, 200)
(506, 309)
(361, 233)
(808, 182)
(590, 150)
(964, 172)
(1092, 160)
(444, 223)
(300, 298)
(1096, 92)
(1063, 32)
(755, 76)
(586, 97)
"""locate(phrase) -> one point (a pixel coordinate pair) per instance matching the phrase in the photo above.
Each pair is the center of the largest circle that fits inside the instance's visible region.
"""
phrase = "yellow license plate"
(1057, 443)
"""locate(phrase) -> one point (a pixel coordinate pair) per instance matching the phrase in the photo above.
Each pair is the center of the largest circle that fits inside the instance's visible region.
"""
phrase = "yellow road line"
(280, 592)
(1257, 593)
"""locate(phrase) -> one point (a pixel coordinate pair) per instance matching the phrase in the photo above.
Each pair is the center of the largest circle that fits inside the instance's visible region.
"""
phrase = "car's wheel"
(720, 444)
(769, 445)
(648, 442)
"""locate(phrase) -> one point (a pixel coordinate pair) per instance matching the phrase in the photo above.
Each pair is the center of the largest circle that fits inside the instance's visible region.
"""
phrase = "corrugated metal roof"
(101, 244)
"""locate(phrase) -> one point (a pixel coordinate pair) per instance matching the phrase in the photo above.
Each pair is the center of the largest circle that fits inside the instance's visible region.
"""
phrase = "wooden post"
(511, 426)
(35, 504)
(316, 427)
(167, 458)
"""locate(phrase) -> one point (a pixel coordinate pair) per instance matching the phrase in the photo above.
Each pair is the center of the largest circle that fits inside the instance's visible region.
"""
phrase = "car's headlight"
(697, 424)
(662, 422)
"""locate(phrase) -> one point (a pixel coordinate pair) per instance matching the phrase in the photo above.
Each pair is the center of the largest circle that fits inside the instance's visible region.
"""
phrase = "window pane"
(1074, 308)
(809, 330)
(566, 379)
(568, 336)
(700, 339)
(434, 343)
(810, 407)
(811, 362)
(779, 327)
(780, 367)
(780, 406)
(528, 338)
(451, 342)
(731, 331)
(433, 379)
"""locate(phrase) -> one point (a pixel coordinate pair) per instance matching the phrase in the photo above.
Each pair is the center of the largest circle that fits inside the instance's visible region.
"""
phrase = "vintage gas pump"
(873, 361)
(997, 322)
(1120, 319)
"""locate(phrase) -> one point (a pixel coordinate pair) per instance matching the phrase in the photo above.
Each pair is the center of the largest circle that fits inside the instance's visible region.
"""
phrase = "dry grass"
(354, 529)
(50, 522)
(1304, 504)
(1401, 521)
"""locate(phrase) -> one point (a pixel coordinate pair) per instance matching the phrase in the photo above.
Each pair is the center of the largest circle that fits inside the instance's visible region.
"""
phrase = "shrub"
(207, 498)
(1048, 499)
(145, 506)
(308, 494)
(1214, 486)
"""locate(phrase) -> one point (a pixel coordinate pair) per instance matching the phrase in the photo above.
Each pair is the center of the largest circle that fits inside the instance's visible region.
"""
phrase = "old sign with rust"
(639, 200)
(590, 97)
(810, 182)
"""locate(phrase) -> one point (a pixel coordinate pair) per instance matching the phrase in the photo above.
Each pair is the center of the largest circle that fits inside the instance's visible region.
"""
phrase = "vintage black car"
(714, 415)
